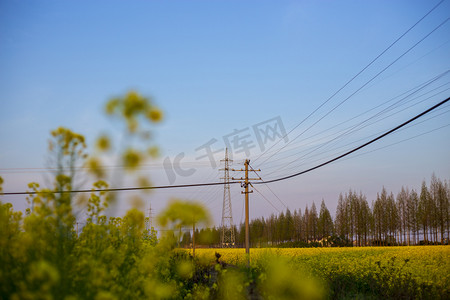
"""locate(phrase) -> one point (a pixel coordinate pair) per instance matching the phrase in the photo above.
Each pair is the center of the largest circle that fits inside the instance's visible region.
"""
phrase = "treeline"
(409, 218)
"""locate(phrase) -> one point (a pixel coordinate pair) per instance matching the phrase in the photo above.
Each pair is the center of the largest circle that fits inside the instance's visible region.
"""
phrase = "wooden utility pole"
(246, 192)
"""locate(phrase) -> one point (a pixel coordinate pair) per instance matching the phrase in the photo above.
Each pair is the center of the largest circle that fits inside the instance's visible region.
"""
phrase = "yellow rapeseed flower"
(104, 143)
(131, 159)
(155, 115)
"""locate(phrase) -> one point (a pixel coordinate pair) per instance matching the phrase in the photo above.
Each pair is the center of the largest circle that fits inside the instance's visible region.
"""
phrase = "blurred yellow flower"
(153, 151)
(155, 115)
(131, 159)
(95, 167)
(104, 143)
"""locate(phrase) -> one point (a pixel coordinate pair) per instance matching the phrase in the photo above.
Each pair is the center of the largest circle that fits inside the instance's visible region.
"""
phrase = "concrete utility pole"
(246, 192)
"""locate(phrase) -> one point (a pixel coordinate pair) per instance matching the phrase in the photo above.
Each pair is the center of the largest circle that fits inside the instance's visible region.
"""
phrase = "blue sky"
(216, 66)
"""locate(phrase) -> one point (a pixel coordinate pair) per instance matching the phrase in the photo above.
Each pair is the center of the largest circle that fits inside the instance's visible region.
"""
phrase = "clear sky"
(219, 66)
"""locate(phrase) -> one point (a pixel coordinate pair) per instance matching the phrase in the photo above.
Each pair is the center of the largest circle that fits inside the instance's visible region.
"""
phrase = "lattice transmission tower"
(227, 237)
(149, 218)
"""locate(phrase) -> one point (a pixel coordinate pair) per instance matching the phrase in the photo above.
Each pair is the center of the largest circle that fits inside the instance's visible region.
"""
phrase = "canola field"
(416, 272)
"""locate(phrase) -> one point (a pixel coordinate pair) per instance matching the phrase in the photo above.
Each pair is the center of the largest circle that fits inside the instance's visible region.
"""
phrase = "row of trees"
(410, 218)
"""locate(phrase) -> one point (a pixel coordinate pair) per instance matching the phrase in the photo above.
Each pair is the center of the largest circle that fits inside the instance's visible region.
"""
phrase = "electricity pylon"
(149, 219)
(227, 238)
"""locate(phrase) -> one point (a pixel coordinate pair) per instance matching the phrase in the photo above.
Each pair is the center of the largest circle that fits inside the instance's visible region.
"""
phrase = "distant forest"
(411, 217)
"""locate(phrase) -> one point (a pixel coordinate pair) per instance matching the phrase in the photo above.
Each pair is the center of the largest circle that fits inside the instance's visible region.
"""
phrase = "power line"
(268, 187)
(265, 198)
(143, 166)
(360, 147)
(360, 88)
(404, 140)
(354, 128)
(234, 182)
(121, 189)
(357, 74)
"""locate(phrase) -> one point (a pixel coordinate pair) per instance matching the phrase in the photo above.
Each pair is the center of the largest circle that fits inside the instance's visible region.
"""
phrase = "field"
(421, 272)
